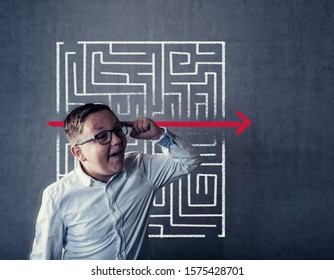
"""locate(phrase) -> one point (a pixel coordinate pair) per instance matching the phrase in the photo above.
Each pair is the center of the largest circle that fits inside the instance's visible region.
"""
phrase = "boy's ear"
(77, 153)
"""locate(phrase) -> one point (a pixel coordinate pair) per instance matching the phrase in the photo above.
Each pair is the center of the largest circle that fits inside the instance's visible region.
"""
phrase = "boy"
(100, 210)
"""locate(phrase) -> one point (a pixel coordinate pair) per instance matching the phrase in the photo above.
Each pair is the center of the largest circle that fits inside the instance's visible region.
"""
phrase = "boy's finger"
(134, 127)
(140, 125)
(146, 125)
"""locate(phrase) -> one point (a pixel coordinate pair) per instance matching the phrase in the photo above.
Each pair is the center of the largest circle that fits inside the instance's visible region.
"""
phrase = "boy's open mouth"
(116, 153)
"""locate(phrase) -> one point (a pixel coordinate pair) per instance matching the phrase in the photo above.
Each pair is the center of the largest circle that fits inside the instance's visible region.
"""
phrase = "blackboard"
(276, 67)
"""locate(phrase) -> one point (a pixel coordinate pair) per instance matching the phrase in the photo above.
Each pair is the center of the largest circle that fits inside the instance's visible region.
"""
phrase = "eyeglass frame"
(84, 141)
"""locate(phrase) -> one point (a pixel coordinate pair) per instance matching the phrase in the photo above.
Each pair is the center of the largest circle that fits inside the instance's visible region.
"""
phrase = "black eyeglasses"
(105, 136)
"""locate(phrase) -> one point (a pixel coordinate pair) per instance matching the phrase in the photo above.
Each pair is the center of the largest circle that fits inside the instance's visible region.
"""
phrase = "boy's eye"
(103, 136)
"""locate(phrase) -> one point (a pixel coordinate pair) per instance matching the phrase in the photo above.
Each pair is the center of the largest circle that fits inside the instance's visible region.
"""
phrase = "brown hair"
(73, 121)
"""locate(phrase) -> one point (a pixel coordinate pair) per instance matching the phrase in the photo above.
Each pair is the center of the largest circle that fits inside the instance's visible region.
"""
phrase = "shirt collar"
(85, 179)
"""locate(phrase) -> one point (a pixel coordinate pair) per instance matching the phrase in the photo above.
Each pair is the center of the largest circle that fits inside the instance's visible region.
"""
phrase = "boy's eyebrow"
(98, 127)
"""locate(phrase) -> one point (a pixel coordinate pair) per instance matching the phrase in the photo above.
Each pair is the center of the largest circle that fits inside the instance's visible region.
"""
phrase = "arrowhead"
(246, 122)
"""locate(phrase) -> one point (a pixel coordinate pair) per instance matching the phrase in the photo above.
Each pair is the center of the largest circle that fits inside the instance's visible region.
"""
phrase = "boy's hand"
(145, 129)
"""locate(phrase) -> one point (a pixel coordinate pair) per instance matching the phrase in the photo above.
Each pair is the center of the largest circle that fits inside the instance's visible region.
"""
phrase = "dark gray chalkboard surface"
(279, 59)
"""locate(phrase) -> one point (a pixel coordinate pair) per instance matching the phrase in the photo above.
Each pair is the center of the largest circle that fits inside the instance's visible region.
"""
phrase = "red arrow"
(240, 126)
(55, 123)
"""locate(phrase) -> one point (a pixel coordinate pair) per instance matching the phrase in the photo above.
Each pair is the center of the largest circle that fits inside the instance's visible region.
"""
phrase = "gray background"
(279, 72)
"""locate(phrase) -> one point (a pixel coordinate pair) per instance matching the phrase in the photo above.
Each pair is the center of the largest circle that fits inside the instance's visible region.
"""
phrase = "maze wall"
(167, 81)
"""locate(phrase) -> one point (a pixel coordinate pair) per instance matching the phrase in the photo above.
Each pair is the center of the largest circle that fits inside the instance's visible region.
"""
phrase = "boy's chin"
(116, 164)
(117, 168)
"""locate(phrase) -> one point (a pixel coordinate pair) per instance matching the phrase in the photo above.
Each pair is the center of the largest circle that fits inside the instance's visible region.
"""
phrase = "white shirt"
(82, 218)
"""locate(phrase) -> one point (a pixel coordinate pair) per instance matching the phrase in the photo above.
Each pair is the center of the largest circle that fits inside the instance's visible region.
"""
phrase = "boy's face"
(100, 161)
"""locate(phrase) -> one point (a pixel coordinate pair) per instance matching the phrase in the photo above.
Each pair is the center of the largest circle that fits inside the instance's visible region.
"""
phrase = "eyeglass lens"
(105, 137)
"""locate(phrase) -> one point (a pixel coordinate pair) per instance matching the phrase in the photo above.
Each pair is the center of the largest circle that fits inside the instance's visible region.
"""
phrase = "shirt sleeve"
(49, 231)
(178, 159)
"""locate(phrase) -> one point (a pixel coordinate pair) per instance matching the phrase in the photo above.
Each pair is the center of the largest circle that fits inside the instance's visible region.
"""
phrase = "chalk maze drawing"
(168, 81)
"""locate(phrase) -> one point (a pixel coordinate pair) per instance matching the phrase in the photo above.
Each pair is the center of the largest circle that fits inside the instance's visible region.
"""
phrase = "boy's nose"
(115, 140)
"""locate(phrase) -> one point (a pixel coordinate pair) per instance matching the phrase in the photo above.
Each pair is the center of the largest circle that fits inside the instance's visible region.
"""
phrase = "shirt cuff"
(165, 140)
